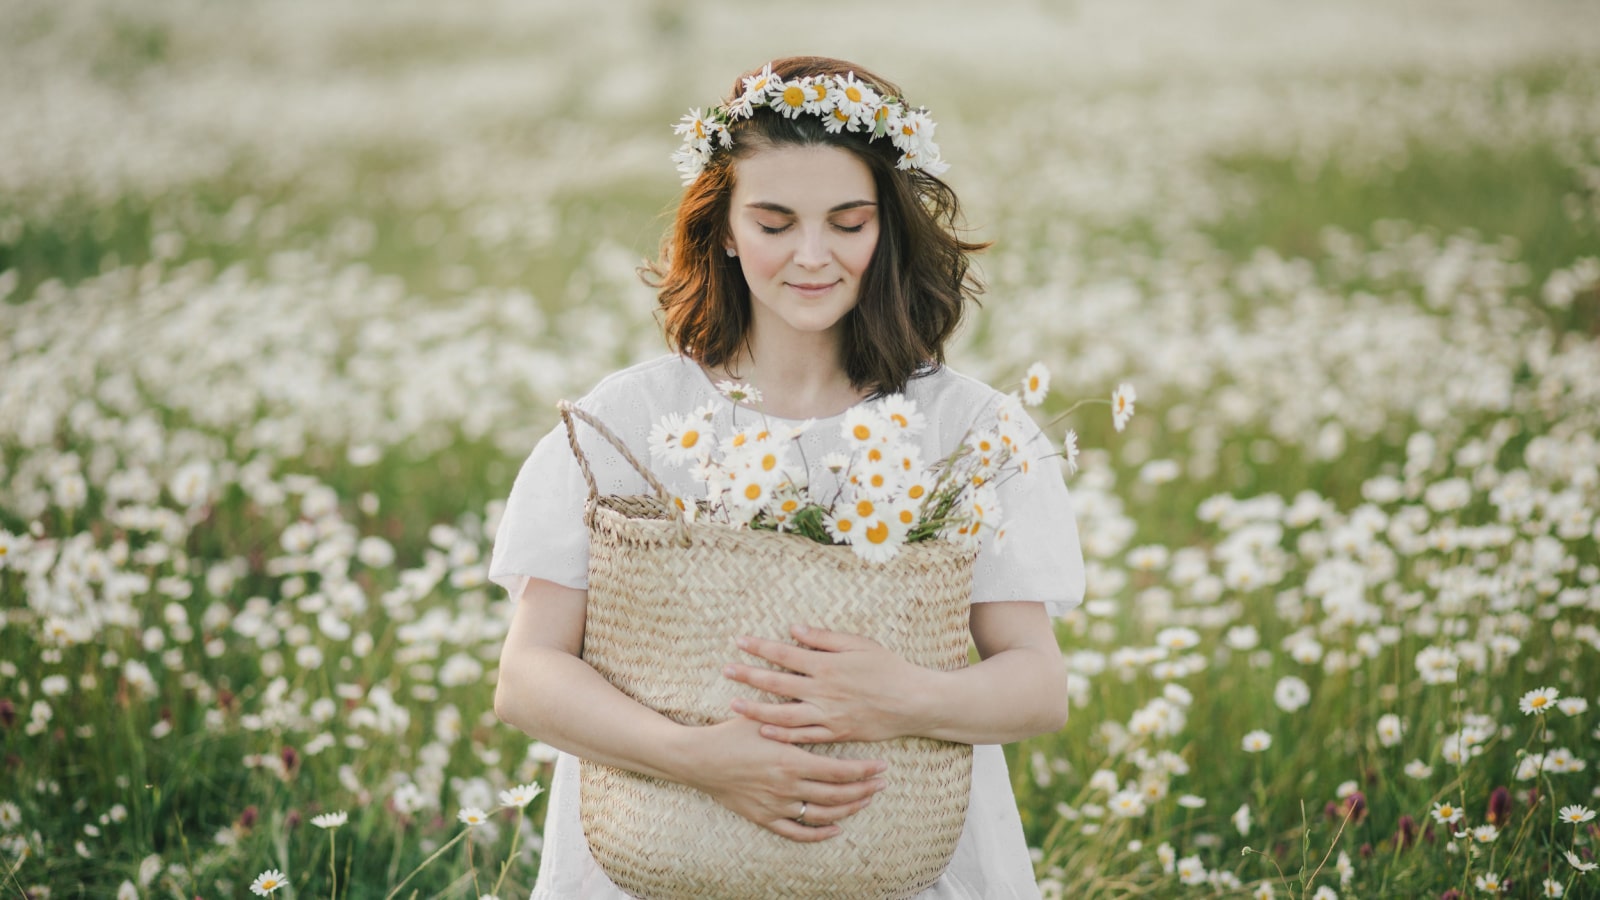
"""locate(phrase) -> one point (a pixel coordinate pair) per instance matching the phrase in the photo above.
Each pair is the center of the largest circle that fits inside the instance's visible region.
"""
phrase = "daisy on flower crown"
(841, 101)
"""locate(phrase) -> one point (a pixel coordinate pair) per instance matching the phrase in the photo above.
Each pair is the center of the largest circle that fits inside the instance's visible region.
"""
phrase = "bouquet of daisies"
(882, 493)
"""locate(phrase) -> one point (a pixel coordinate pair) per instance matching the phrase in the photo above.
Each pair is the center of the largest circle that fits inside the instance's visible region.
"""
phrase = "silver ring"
(801, 818)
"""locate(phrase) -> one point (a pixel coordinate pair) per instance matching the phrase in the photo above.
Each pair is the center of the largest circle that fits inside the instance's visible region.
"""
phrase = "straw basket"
(666, 600)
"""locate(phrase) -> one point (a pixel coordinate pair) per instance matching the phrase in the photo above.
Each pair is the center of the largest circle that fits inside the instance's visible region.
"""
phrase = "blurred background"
(290, 289)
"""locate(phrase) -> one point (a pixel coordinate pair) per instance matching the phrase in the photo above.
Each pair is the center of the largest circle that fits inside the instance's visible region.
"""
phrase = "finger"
(787, 655)
(818, 794)
(787, 715)
(809, 734)
(831, 641)
(804, 834)
(784, 684)
(840, 771)
(831, 815)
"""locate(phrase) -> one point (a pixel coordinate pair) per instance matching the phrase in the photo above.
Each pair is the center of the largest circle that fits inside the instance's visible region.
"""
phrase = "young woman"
(813, 257)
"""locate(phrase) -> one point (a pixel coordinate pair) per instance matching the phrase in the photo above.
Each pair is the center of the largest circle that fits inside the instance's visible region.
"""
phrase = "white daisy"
(471, 815)
(267, 882)
(756, 90)
(1256, 741)
(858, 102)
(1579, 864)
(521, 795)
(1489, 881)
(331, 820)
(1538, 701)
(1446, 813)
(1035, 384)
(902, 414)
(1122, 405)
(863, 427)
(739, 393)
(1553, 888)
(1069, 450)
(1576, 815)
(790, 102)
(1485, 834)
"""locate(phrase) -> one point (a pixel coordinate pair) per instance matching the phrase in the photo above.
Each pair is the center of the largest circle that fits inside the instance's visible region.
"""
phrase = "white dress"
(541, 534)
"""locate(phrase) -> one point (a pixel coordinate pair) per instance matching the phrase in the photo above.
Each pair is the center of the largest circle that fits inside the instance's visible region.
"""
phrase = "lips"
(811, 289)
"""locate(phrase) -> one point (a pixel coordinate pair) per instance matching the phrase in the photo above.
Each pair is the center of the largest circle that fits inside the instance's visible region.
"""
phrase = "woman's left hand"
(845, 687)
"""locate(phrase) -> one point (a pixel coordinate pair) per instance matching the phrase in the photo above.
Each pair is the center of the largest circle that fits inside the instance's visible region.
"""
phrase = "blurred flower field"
(288, 291)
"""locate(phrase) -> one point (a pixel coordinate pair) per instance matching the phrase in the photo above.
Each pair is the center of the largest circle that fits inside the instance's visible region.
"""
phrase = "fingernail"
(802, 629)
(742, 642)
(879, 784)
(881, 767)
(737, 704)
(729, 671)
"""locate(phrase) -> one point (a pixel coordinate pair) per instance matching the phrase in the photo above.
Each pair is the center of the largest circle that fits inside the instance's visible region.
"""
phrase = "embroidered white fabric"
(541, 535)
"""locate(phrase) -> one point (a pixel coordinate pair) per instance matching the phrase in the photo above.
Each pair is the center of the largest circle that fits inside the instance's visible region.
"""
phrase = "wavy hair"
(913, 292)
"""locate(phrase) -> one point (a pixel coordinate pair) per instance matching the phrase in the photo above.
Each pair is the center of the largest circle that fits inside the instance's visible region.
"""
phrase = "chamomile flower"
(790, 102)
(1256, 741)
(1576, 815)
(756, 90)
(331, 820)
(1573, 706)
(902, 414)
(838, 120)
(1485, 834)
(1035, 384)
(1390, 729)
(1069, 450)
(1538, 701)
(863, 427)
(857, 101)
(472, 816)
(738, 392)
(1446, 813)
(267, 882)
(1122, 405)
(1490, 881)
(1291, 693)
(842, 526)
(521, 795)
(1553, 888)
(676, 439)
(1579, 864)
(697, 130)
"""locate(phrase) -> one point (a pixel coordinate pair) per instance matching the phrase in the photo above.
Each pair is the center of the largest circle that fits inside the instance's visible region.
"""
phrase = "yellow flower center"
(768, 462)
(1447, 811)
(752, 491)
(791, 505)
(916, 492)
(861, 432)
(874, 454)
(864, 508)
(908, 129)
(738, 440)
(1537, 702)
(878, 533)
(841, 115)
(689, 439)
(877, 481)
(854, 93)
(906, 516)
(882, 113)
(900, 420)
(844, 525)
(1033, 383)
(821, 92)
(794, 96)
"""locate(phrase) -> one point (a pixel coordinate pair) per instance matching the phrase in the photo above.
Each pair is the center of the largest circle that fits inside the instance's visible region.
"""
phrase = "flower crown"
(843, 103)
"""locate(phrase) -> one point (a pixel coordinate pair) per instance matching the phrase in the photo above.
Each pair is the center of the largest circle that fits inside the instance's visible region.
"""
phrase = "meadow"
(288, 291)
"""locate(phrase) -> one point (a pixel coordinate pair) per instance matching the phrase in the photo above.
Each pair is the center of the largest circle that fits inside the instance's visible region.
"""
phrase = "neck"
(801, 376)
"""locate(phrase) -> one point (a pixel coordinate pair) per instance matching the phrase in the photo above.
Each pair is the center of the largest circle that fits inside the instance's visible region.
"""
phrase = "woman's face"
(804, 221)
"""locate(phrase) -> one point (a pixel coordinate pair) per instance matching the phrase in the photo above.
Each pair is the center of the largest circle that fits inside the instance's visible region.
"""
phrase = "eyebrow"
(784, 210)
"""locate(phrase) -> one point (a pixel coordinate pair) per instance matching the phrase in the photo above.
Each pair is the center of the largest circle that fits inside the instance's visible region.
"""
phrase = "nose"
(813, 251)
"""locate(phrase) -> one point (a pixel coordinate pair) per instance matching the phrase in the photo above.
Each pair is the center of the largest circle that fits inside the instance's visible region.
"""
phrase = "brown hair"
(913, 292)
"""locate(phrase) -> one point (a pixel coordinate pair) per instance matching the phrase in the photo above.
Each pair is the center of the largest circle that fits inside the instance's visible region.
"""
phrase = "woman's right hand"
(768, 781)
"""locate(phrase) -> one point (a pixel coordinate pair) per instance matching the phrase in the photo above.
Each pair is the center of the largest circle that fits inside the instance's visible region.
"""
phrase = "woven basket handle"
(669, 504)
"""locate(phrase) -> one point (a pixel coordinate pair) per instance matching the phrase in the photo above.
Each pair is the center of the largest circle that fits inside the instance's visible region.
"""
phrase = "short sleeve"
(1040, 557)
(541, 533)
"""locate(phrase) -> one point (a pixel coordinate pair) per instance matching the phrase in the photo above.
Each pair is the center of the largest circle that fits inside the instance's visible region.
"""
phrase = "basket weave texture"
(665, 601)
